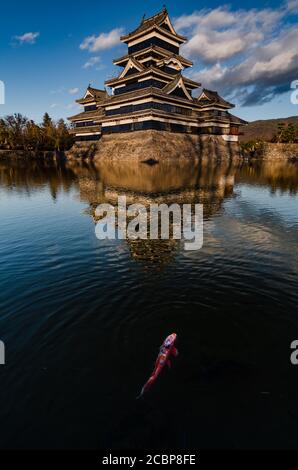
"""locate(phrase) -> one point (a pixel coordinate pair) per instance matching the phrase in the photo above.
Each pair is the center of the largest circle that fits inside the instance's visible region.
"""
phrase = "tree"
(33, 137)
(280, 132)
(15, 125)
(17, 132)
(47, 121)
(3, 134)
(291, 133)
(64, 139)
(48, 131)
(286, 133)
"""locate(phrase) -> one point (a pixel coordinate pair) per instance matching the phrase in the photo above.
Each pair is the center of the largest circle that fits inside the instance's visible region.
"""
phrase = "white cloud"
(221, 45)
(91, 62)
(249, 56)
(221, 34)
(73, 91)
(103, 41)
(54, 105)
(210, 18)
(292, 6)
(260, 76)
(27, 38)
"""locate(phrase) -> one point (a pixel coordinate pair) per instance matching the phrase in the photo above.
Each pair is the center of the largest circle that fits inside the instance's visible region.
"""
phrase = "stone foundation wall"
(155, 145)
(82, 150)
(271, 151)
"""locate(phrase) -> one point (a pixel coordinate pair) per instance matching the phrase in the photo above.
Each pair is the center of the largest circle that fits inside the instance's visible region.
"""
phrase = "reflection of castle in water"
(208, 183)
(166, 182)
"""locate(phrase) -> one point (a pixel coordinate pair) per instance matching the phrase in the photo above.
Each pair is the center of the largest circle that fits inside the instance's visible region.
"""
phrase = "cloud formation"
(27, 38)
(250, 55)
(292, 6)
(91, 62)
(103, 41)
(73, 91)
(65, 106)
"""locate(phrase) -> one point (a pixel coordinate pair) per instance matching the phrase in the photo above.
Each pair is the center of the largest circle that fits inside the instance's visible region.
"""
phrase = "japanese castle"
(151, 92)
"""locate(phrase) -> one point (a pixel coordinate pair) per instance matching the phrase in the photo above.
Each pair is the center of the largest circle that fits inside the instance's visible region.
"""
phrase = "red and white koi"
(167, 350)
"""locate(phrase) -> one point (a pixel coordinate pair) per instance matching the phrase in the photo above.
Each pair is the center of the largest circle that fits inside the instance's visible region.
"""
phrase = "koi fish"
(167, 350)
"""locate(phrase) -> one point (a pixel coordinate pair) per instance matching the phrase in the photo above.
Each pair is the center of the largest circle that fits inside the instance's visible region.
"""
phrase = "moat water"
(82, 319)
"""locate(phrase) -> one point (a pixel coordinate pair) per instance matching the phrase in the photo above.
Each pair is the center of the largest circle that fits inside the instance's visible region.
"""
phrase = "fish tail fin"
(146, 386)
(140, 394)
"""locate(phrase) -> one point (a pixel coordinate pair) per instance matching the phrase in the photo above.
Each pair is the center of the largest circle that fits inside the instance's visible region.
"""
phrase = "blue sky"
(51, 51)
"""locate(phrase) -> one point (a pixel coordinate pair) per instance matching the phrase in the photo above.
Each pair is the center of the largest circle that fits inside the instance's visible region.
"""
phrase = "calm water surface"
(82, 319)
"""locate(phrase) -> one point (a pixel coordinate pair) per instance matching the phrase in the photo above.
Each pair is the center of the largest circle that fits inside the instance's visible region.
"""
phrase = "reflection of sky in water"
(255, 227)
(262, 199)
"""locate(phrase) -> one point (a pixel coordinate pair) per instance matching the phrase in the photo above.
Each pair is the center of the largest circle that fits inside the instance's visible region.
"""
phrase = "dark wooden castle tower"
(151, 91)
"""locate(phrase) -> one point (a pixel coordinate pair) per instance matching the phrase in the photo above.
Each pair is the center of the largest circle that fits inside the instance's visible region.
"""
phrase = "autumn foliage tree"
(19, 133)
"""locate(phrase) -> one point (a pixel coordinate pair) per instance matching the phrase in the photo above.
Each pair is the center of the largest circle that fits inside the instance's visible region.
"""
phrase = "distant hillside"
(265, 129)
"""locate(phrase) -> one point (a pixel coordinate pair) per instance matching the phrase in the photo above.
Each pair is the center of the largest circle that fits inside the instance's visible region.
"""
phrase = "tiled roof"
(151, 111)
(227, 118)
(88, 99)
(209, 97)
(94, 93)
(148, 70)
(147, 23)
(144, 92)
(87, 115)
(157, 49)
(236, 120)
(174, 82)
(137, 63)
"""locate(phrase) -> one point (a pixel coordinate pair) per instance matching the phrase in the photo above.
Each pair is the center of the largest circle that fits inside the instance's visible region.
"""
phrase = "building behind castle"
(151, 92)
